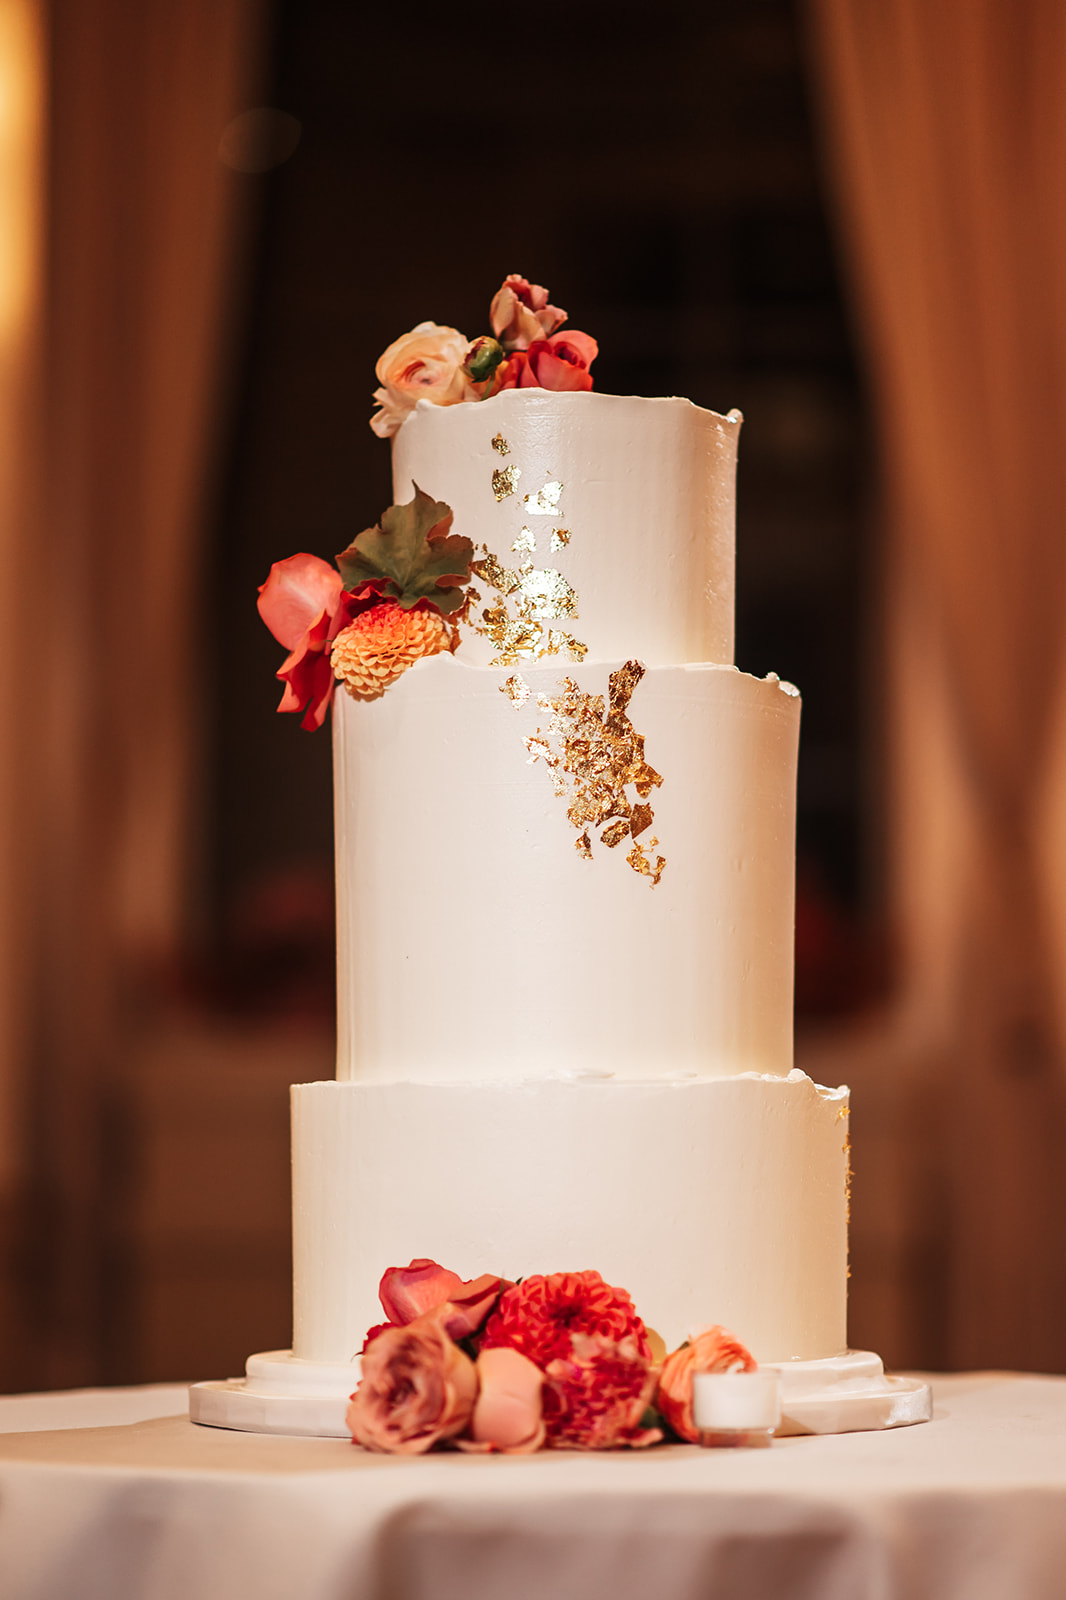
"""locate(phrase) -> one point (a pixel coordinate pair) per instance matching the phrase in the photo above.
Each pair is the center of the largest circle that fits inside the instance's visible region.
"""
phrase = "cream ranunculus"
(425, 364)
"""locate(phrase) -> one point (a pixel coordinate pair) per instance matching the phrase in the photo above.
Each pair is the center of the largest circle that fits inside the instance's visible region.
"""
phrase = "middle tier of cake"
(487, 931)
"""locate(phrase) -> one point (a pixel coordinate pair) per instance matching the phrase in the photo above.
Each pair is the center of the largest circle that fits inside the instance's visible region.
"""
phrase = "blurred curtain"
(107, 450)
(946, 130)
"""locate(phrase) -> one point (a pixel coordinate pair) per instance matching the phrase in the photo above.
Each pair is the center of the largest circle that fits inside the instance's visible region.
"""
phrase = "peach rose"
(715, 1350)
(520, 313)
(425, 364)
(508, 1414)
(417, 1388)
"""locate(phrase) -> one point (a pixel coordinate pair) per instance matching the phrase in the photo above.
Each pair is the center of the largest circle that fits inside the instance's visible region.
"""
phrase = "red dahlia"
(595, 1398)
(541, 1315)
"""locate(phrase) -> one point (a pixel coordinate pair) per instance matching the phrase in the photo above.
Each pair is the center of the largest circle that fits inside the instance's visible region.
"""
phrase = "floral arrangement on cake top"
(525, 350)
(559, 1362)
(392, 598)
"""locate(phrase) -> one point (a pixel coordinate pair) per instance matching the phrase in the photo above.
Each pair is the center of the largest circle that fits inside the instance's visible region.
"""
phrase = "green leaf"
(411, 556)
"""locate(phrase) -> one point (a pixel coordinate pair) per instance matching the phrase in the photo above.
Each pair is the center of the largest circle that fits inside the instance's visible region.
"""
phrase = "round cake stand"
(280, 1393)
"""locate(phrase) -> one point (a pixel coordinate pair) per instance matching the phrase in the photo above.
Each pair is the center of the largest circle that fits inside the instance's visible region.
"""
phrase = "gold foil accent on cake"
(517, 689)
(560, 539)
(594, 754)
(500, 445)
(531, 598)
(505, 481)
(525, 544)
(545, 502)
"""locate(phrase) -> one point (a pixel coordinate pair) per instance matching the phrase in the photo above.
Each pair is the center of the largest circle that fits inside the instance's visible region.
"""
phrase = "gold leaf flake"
(525, 544)
(641, 820)
(505, 481)
(538, 597)
(545, 502)
(594, 754)
(500, 445)
(560, 538)
(489, 570)
(517, 689)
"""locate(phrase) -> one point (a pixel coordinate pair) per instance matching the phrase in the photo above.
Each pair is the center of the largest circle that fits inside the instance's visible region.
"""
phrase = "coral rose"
(540, 1315)
(561, 362)
(425, 364)
(409, 1292)
(417, 1388)
(520, 313)
(508, 1415)
(595, 1397)
(712, 1351)
(305, 606)
(380, 645)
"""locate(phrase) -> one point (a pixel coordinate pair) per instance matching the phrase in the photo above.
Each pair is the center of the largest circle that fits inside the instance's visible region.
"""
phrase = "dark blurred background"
(217, 214)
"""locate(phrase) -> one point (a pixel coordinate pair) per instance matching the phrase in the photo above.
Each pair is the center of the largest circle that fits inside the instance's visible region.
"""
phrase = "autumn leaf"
(411, 556)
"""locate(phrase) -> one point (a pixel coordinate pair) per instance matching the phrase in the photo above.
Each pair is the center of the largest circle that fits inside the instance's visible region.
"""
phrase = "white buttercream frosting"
(474, 940)
(547, 1063)
(716, 1201)
(647, 500)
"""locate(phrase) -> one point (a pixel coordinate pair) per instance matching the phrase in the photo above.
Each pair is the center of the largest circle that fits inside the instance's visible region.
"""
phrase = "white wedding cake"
(565, 899)
(547, 1060)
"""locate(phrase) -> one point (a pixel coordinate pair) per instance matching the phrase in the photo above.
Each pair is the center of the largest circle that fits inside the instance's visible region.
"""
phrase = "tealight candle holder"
(736, 1409)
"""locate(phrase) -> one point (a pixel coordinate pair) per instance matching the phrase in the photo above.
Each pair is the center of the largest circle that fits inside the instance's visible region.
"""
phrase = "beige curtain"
(945, 126)
(108, 407)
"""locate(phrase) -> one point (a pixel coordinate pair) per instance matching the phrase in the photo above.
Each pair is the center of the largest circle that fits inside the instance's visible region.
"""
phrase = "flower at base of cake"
(440, 364)
(560, 363)
(509, 1411)
(407, 1293)
(595, 1397)
(425, 364)
(714, 1350)
(380, 645)
(305, 605)
(587, 1339)
(520, 313)
(417, 1389)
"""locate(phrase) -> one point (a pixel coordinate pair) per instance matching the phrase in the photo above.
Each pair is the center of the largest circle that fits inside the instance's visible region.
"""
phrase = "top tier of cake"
(630, 502)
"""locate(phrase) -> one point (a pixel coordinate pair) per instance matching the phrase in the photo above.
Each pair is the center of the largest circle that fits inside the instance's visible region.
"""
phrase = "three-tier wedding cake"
(565, 890)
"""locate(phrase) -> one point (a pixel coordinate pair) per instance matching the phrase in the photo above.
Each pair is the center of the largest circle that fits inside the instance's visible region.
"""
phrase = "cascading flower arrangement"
(561, 1361)
(397, 592)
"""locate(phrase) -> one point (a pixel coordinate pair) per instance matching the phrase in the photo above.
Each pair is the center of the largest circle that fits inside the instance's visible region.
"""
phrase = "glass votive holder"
(736, 1409)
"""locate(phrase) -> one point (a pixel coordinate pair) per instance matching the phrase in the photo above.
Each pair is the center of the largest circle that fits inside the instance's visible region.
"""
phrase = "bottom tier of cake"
(717, 1200)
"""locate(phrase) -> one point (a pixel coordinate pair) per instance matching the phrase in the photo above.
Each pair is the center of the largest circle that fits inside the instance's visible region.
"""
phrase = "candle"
(736, 1408)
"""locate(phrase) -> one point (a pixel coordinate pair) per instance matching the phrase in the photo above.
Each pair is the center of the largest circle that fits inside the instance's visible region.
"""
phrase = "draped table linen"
(111, 1495)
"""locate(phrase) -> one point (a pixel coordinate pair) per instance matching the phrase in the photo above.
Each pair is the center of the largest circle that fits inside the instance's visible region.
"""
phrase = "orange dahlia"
(380, 645)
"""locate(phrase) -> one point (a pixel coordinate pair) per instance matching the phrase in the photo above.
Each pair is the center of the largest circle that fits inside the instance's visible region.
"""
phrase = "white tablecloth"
(107, 1495)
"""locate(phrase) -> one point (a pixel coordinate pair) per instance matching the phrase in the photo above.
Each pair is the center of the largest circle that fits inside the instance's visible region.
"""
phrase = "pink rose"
(406, 1292)
(508, 1413)
(417, 1388)
(425, 364)
(304, 604)
(561, 362)
(712, 1351)
(409, 1292)
(595, 1397)
(520, 313)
